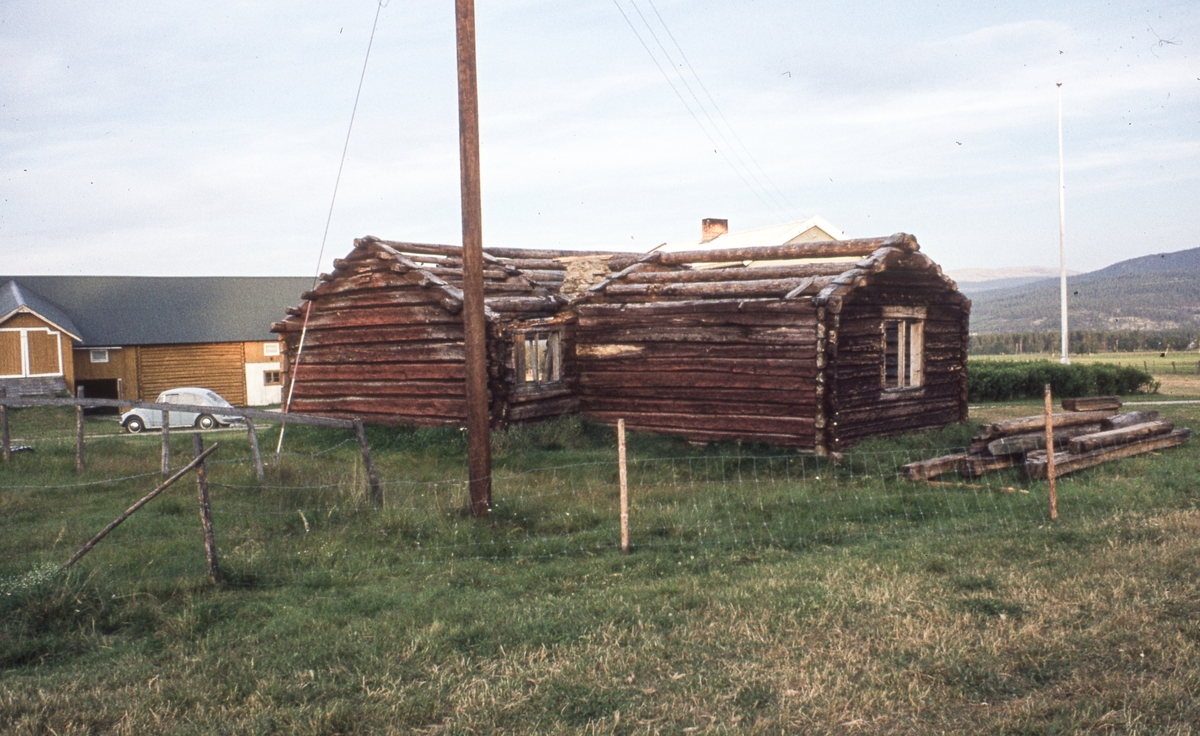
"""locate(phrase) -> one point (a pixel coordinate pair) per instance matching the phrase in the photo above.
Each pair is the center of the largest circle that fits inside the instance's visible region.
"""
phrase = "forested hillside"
(1158, 292)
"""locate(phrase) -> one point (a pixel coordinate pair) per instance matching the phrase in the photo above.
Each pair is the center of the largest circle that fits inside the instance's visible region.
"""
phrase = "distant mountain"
(974, 280)
(1157, 292)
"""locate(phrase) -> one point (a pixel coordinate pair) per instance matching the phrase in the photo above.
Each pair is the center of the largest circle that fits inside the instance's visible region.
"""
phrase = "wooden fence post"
(145, 500)
(4, 438)
(258, 464)
(210, 542)
(79, 439)
(1050, 453)
(624, 485)
(360, 433)
(166, 443)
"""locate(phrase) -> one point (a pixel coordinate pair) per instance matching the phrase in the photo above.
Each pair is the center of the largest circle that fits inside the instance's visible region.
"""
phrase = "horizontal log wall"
(382, 344)
(703, 370)
(385, 343)
(856, 405)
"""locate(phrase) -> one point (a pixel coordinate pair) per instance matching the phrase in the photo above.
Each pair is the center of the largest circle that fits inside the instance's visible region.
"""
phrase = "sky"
(176, 139)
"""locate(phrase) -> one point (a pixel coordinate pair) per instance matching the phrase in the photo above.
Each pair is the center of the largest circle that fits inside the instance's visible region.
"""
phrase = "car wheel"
(134, 425)
(206, 421)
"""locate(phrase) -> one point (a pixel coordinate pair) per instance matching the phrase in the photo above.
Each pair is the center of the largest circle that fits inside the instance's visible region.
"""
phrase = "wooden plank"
(331, 389)
(680, 405)
(723, 366)
(932, 468)
(361, 405)
(1114, 437)
(1024, 425)
(1019, 444)
(1128, 419)
(597, 310)
(976, 465)
(543, 409)
(407, 353)
(446, 371)
(1036, 464)
(691, 380)
(722, 289)
(751, 318)
(712, 334)
(740, 273)
(392, 335)
(731, 424)
(822, 249)
(1092, 403)
(629, 395)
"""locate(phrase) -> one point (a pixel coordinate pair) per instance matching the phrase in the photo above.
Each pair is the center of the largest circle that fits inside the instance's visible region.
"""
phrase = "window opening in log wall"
(539, 356)
(903, 347)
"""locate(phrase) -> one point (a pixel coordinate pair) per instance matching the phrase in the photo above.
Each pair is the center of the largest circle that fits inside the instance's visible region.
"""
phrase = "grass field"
(767, 591)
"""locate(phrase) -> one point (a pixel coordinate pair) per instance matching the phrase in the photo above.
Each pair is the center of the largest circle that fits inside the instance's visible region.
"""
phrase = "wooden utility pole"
(479, 450)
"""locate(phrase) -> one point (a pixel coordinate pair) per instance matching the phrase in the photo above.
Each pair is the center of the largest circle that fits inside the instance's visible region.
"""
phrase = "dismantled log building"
(383, 335)
(814, 345)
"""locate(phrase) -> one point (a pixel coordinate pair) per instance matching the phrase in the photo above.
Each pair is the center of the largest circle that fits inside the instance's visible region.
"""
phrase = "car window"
(215, 399)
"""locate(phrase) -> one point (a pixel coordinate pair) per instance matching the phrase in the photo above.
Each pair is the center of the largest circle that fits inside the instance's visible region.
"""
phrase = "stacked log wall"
(703, 370)
(379, 346)
(858, 406)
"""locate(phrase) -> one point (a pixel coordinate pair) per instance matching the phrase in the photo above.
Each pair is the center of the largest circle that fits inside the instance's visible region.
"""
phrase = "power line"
(699, 103)
(379, 6)
(688, 107)
(721, 114)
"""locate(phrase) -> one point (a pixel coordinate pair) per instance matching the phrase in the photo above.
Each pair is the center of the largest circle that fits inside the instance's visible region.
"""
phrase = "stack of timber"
(383, 334)
(781, 344)
(1085, 435)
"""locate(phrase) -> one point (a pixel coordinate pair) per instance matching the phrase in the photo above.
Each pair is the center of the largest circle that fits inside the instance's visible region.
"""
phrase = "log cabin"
(132, 337)
(811, 344)
(383, 335)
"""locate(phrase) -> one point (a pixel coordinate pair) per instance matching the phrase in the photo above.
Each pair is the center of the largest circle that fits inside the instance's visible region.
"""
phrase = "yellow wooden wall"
(218, 367)
(41, 348)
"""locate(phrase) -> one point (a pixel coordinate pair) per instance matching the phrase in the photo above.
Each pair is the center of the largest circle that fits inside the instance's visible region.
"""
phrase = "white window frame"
(909, 349)
(270, 349)
(25, 351)
(98, 355)
(532, 343)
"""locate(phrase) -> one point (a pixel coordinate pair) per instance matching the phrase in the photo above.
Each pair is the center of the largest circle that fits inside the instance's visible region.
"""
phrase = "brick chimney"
(711, 227)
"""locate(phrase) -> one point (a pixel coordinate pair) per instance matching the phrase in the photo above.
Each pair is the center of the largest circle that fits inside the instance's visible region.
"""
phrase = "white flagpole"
(1062, 233)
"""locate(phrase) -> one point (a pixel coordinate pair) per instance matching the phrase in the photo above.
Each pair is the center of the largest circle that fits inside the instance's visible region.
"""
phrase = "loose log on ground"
(1023, 443)
(1024, 425)
(1092, 403)
(1128, 419)
(1064, 462)
(1112, 438)
(925, 469)
(976, 465)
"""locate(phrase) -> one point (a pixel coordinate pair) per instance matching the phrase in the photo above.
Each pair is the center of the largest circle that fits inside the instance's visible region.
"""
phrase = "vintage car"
(136, 420)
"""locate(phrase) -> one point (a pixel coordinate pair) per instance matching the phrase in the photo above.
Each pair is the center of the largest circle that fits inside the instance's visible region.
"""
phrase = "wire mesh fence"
(312, 518)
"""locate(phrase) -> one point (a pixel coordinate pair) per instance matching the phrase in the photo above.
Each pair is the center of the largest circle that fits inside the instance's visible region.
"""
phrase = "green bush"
(1004, 381)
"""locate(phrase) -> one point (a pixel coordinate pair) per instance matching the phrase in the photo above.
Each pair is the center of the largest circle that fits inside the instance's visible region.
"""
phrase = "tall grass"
(768, 590)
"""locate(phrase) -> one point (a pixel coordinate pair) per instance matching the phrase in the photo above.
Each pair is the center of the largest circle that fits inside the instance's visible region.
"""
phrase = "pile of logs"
(1087, 433)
